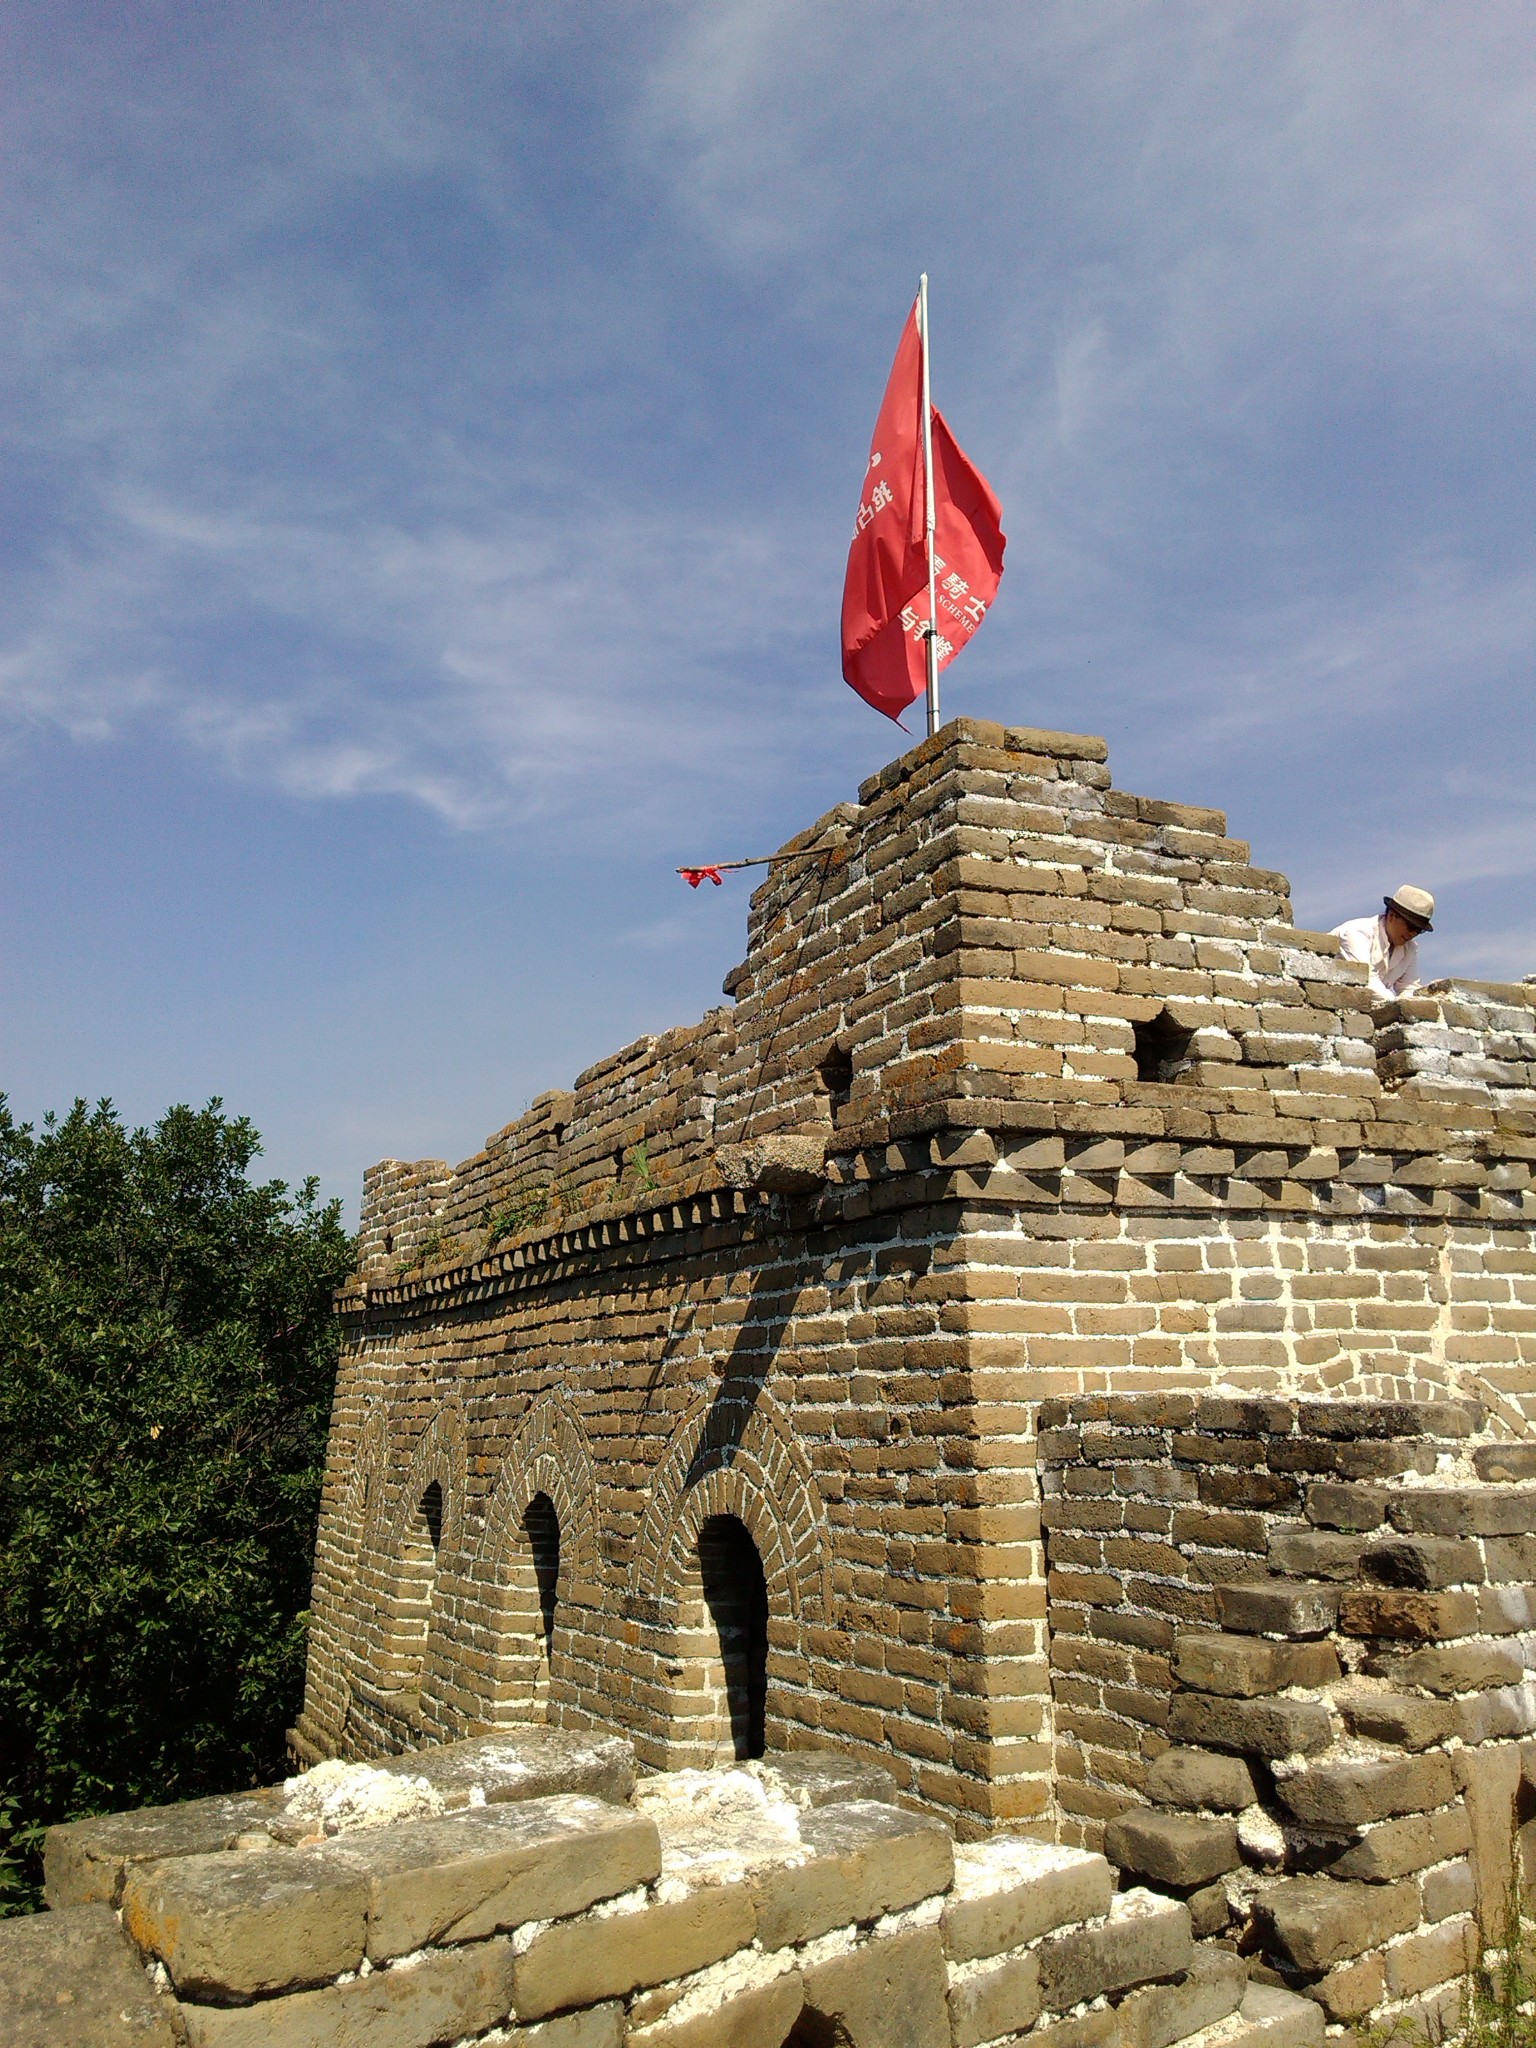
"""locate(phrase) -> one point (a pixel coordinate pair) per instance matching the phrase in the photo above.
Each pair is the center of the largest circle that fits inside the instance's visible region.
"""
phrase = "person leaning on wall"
(1386, 944)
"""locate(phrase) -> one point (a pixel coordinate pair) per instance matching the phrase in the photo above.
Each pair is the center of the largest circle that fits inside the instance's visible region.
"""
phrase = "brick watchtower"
(703, 1404)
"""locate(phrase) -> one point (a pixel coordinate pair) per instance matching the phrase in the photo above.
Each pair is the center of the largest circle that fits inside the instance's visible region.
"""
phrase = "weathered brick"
(1465, 1511)
(1245, 1666)
(1256, 1727)
(1505, 1462)
(1199, 1778)
(894, 1987)
(1458, 1667)
(86, 1860)
(1433, 1957)
(1399, 1718)
(606, 1955)
(1010, 1890)
(442, 1996)
(1427, 1563)
(1385, 1418)
(70, 1977)
(246, 1924)
(866, 1858)
(1336, 1505)
(1164, 2013)
(1316, 1922)
(1397, 1847)
(1178, 1849)
(1273, 2018)
(1144, 1938)
(1349, 1991)
(472, 1873)
(1363, 1788)
(726, 2007)
(1315, 1553)
(992, 1999)
(1449, 1890)
(1408, 1617)
(1278, 1607)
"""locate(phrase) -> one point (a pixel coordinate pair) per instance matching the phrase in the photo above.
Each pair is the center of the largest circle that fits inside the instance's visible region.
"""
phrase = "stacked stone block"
(795, 1904)
(1460, 1042)
(1293, 1676)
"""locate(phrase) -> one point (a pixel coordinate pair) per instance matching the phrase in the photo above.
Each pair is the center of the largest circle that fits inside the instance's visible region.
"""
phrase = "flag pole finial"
(928, 510)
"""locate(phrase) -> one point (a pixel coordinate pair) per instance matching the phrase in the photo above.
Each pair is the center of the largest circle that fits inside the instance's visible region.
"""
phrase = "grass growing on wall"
(167, 1359)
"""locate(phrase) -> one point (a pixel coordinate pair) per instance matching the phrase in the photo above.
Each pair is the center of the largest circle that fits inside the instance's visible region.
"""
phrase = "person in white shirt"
(1385, 944)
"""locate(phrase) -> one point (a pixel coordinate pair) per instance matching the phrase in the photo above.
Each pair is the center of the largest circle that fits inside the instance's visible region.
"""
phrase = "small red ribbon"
(693, 876)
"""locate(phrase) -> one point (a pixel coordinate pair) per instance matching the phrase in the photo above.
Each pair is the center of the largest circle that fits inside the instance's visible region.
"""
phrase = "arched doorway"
(720, 1667)
(539, 1604)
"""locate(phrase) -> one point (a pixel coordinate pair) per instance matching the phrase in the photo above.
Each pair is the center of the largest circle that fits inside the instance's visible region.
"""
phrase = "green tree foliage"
(167, 1356)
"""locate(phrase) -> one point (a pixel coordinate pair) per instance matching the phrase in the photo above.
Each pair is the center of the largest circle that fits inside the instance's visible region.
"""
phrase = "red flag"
(885, 593)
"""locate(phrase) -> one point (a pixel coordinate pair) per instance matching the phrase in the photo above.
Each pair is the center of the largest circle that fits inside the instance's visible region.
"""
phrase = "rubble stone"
(1176, 1849)
(866, 1858)
(1197, 1778)
(1259, 1727)
(1010, 1890)
(1316, 1922)
(1350, 1789)
(1144, 1937)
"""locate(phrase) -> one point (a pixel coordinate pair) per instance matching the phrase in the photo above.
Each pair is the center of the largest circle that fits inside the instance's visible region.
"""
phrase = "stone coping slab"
(71, 1980)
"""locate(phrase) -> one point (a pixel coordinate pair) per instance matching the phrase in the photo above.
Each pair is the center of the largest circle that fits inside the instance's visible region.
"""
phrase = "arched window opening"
(541, 1526)
(432, 1517)
(736, 1595)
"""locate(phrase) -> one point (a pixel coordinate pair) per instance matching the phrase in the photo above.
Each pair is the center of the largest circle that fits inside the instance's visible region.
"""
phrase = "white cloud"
(457, 560)
(469, 671)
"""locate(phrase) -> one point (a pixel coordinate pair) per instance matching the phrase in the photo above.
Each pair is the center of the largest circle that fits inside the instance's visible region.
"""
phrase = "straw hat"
(1417, 905)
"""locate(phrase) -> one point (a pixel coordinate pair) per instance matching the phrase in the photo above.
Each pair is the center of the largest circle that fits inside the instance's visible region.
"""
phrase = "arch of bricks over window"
(735, 1455)
(420, 1568)
(359, 1527)
(731, 1457)
(504, 1604)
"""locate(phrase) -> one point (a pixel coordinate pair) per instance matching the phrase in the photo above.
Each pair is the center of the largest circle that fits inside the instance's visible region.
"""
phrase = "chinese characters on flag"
(885, 593)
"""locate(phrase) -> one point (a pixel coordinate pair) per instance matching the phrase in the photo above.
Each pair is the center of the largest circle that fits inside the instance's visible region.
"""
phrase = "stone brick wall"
(527, 1890)
(1030, 1090)
(1460, 1041)
(1292, 1665)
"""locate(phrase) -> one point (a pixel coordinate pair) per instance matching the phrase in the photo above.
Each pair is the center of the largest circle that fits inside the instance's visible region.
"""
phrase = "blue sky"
(432, 436)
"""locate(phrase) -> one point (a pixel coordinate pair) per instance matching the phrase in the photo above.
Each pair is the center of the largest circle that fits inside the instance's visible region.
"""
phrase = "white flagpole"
(933, 609)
